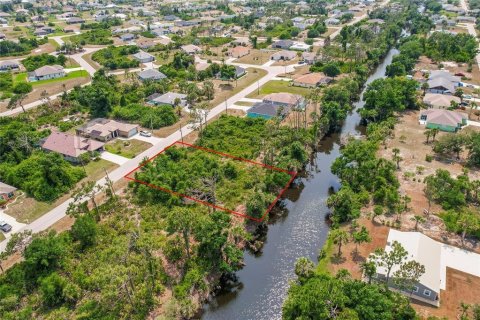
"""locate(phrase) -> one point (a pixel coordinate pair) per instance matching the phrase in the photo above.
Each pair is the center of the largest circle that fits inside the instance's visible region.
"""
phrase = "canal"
(299, 232)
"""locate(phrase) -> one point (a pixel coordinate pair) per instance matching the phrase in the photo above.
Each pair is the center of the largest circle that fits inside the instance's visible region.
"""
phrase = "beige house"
(440, 101)
(312, 80)
(105, 129)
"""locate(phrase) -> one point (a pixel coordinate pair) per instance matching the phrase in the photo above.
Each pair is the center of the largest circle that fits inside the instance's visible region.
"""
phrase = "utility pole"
(226, 106)
(258, 87)
(181, 133)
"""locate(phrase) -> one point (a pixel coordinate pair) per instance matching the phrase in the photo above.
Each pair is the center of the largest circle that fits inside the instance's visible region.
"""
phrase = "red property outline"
(292, 174)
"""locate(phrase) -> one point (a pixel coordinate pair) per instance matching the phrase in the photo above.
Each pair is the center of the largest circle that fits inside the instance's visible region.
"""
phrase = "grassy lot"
(2, 237)
(275, 86)
(128, 149)
(27, 209)
(22, 77)
(257, 57)
(224, 91)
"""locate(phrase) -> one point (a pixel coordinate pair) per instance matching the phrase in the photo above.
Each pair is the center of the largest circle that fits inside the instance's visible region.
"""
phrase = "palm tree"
(369, 269)
(425, 87)
(435, 131)
(396, 157)
(417, 219)
(339, 237)
(428, 133)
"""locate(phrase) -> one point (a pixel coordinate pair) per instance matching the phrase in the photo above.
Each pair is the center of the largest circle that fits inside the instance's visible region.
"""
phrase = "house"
(2, 36)
(190, 49)
(239, 52)
(169, 98)
(309, 57)
(71, 146)
(239, 72)
(9, 65)
(444, 120)
(267, 110)
(440, 101)
(74, 20)
(300, 46)
(47, 72)
(437, 257)
(312, 80)
(283, 55)
(241, 41)
(282, 44)
(286, 99)
(106, 129)
(332, 21)
(160, 32)
(7, 192)
(441, 81)
(127, 37)
(151, 74)
(143, 57)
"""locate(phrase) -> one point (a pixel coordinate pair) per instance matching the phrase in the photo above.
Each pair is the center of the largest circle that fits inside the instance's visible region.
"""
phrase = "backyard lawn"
(127, 148)
(26, 209)
(275, 86)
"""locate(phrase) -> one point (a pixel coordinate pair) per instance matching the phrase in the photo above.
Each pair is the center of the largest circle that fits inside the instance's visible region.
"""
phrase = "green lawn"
(130, 151)
(22, 77)
(27, 209)
(275, 86)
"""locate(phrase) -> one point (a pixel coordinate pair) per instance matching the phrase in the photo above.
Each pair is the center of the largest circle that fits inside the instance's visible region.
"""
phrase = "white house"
(47, 72)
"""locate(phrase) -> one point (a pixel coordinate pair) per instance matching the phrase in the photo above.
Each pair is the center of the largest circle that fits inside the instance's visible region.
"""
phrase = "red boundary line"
(292, 174)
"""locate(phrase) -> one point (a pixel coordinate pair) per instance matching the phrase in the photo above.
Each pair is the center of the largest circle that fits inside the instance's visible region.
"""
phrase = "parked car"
(5, 227)
(145, 133)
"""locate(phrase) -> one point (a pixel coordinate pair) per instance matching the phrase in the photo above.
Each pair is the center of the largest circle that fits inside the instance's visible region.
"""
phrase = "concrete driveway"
(115, 158)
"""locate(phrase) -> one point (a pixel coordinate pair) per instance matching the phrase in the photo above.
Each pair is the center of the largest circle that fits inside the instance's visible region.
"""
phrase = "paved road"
(58, 213)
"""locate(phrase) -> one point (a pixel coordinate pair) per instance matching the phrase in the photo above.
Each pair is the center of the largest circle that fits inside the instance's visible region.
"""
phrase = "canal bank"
(299, 232)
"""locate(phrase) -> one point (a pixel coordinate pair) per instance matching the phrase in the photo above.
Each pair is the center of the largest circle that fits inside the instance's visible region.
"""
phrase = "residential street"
(58, 213)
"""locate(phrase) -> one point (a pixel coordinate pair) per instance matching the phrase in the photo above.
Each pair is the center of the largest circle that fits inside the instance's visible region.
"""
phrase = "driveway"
(152, 139)
(115, 158)
(16, 226)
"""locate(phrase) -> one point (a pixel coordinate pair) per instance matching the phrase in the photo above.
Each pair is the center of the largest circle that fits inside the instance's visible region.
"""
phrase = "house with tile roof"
(311, 80)
(71, 146)
(105, 129)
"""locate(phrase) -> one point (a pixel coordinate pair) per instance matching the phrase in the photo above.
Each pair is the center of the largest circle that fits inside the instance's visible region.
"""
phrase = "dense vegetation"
(116, 57)
(23, 46)
(34, 62)
(320, 296)
(211, 178)
(98, 36)
(44, 176)
(148, 117)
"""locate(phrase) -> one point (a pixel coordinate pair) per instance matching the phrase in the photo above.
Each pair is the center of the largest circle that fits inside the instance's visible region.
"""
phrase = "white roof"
(435, 256)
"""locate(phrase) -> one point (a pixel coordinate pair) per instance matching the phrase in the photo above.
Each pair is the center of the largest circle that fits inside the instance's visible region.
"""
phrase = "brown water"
(300, 231)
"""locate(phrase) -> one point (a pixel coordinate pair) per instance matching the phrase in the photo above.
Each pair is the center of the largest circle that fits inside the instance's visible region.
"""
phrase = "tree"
(331, 70)
(17, 101)
(52, 288)
(396, 157)
(425, 87)
(339, 237)
(361, 236)
(428, 134)
(418, 219)
(84, 230)
(434, 131)
(389, 259)
(468, 223)
(408, 275)
(208, 90)
(304, 268)
(459, 93)
(369, 269)
(182, 220)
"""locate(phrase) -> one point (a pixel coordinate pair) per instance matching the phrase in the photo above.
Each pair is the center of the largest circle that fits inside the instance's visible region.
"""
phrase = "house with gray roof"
(169, 98)
(47, 72)
(282, 44)
(267, 110)
(127, 37)
(143, 57)
(151, 74)
(9, 65)
(6, 191)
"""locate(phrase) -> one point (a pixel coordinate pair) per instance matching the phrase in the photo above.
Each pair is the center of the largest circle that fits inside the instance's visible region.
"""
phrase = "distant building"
(143, 57)
(169, 98)
(47, 72)
(127, 37)
(151, 74)
(284, 55)
(309, 57)
(9, 65)
(282, 44)
(312, 80)
(70, 146)
(191, 49)
(106, 129)
(440, 101)
(300, 46)
(74, 20)
(267, 110)
(238, 52)
(444, 120)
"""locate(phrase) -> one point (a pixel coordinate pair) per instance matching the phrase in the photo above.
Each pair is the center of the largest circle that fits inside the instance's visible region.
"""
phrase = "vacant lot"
(275, 86)
(257, 57)
(225, 90)
(127, 148)
(27, 209)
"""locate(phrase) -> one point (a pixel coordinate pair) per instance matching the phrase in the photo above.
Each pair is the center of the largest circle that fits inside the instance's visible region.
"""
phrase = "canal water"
(300, 231)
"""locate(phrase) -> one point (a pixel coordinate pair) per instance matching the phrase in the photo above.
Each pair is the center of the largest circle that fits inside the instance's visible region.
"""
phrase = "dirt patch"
(461, 287)
(54, 88)
(256, 57)
(351, 259)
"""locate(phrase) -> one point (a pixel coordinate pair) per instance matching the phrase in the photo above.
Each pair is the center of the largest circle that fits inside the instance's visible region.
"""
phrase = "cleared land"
(275, 86)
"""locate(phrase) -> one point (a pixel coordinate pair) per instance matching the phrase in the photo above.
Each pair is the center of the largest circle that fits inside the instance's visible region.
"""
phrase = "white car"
(145, 133)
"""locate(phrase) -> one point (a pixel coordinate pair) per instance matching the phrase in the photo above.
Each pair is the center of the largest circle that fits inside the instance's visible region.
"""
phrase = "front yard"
(127, 148)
